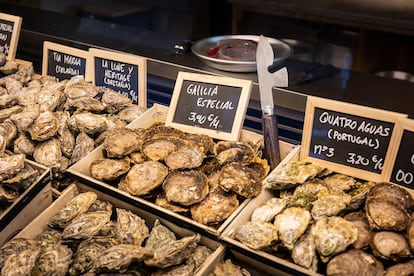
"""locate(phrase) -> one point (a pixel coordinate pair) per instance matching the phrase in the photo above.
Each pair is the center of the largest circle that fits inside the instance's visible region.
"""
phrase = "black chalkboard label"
(65, 66)
(9, 34)
(210, 105)
(403, 170)
(121, 72)
(348, 138)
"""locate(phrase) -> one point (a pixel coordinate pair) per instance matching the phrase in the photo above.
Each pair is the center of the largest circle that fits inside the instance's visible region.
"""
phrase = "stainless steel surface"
(200, 48)
(264, 58)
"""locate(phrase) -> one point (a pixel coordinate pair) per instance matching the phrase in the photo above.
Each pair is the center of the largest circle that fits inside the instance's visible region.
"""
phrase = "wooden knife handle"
(271, 140)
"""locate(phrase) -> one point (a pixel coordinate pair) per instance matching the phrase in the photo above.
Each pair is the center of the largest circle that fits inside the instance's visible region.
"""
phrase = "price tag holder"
(210, 105)
(348, 138)
(121, 72)
(63, 62)
(9, 34)
(402, 172)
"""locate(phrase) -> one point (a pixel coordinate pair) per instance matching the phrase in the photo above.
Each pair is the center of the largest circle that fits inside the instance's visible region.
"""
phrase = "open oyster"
(333, 235)
(228, 268)
(291, 175)
(108, 169)
(121, 142)
(390, 246)
(227, 152)
(257, 234)
(44, 127)
(291, 223)
(159, 236)
(354, 262)
(186, 187)
(173, 253)
(143, 178)
(10, 165)
(185, 157)
(130, 228)
(77, 205)
(240, 179)
(269, 210)
(359, 219)
(54, 260)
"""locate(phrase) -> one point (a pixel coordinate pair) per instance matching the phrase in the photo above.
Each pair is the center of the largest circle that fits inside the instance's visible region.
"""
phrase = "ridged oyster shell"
(257, 234)
(130, 228)
(109, 169)
(54, 260)
(122, 141)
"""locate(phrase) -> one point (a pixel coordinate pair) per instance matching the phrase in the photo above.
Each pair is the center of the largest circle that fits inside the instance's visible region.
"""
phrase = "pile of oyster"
(16, 176)
(186, 173)
(56, 123)
(227, 267)
(333, 223)
(83, 239)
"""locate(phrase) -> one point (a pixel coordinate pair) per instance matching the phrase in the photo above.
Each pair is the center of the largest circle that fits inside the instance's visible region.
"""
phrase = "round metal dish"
(200, 48)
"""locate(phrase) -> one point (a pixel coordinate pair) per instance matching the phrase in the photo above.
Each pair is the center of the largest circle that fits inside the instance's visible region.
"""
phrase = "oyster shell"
(23, 120)
(87, 122)
(130, 228)
(240, 179)
(333, 235)
(182, 270)
(54, 260)
(186, 187)
(88, 104)
(8, 131)
(228, 152)
(228, 268)
(143, 178)
(14, 246)
(269, 210)
(173, 253)
(291, 224)
(86, 225)
(257, 234)
(204, 143)
(159, 236)
(199, 256)
(49, 238)
(329, 204)
(303, 252)
(339, 182)
(114, 101)
(23, 179)
(185, 157)
(77, 205)
(23, 145)
(10, 165)
(121, 142)
(291, 175)
(50, 96)
(401, 269)
(215, 208)
(7, 195)
(48, 153)
(410, 231)
(131, 112)
(44, 127)
(306, 194)
(77, 88)
(21, 262)
(162, 201)
(107, 169)
(84, 145)
(390, 246)
(5, 113)
(67, 142)
(354, 262)
(159, 148)
(359, 219)
(159, 130)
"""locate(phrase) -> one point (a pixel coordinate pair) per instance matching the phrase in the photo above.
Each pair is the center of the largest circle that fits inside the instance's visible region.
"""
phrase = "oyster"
(329, 204)
(159, 148)
(23, 179)
(88, 104)
(7, 100)
(359, 219)
(14, 246)
(121, 142)
(401, 269)
(291, 224)
(48, 153)
(162, 201)
(100, 206)
(186, 187)
(159, 130)
(291, 175)
(390, 246)
(303, 252)
(174, 252)
(83, 145)
(67, 142)
(333, 235)
(114, 101)
(387, 207)
(185, 157)
(240, 179)
(130, 228)
(50, 96)
(86, 225)
(306, 194)
(5, 113)
(204, 143)
(228, 152)
(182, 270)
(49, 237)
(77, 205)
(143, 178)
(119, 257)
(44, 127)
(23, 145)
(228, 268)
(339, 182)
(9, 67)
(54, 260)
(410, 231)
(87, 122)
(21, 262)
(269, 210)
(199, 256)
(159, 236)
(137, 157)
(7, 195)
(354, 262)
(215, 208)
(23, 120)
(257, 234)
(8, 130)
(77, 88)
(10, 165)
(131, 112)
(107, 169)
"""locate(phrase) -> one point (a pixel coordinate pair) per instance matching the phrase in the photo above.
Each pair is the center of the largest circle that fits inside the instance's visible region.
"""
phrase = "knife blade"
(264, 58)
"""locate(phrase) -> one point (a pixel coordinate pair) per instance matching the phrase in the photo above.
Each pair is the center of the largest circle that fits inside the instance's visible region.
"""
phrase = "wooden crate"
(158, 113)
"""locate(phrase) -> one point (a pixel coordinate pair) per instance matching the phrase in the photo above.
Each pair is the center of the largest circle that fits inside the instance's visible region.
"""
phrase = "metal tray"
(200, 48)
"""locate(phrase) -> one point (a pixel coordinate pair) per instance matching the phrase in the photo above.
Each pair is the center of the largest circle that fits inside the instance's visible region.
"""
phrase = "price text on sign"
(9, 34)
(119, 76)
(403, 170)
(350, 140)
(65, 66)
(207, 105)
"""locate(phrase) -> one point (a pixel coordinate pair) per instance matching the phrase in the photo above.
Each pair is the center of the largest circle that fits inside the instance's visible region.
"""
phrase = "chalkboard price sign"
(63, 62)
(9, 34)
(215, 106)
(348, 136)
(121, 72)
(403, 168)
